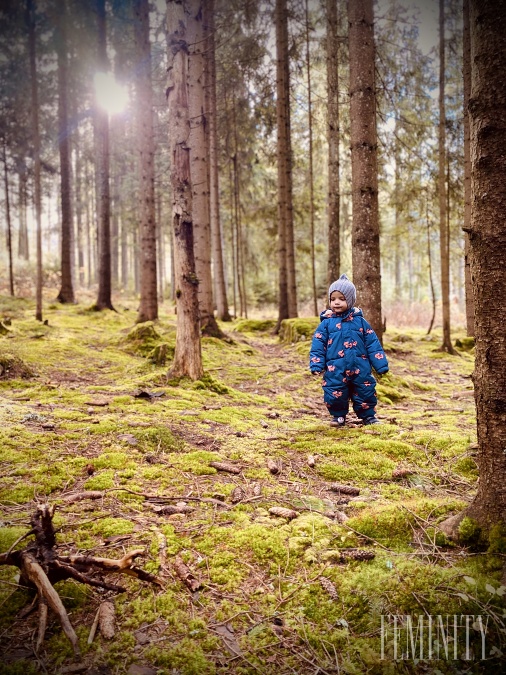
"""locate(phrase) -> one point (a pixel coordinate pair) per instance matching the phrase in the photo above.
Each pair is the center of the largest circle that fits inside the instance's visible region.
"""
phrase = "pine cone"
(311, 460)
(328, 586)
(273, 466)
(357, 554)
(344, 489)
(237, 495)
(170, 510)
(401, 473)
(225, 466)
(256, 488)
(283, 513)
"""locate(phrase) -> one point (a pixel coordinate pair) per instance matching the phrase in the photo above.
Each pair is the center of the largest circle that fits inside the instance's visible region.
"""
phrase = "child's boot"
(370, 420)
(338, 422)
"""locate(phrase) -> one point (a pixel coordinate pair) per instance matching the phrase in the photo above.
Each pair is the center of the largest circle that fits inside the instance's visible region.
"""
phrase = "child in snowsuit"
(344, 349)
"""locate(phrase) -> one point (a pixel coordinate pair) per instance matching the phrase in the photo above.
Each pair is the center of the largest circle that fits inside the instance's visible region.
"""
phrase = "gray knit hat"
(344, 286)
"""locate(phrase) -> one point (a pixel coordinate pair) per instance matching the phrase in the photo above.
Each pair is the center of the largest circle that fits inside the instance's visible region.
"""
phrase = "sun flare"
(110, 95)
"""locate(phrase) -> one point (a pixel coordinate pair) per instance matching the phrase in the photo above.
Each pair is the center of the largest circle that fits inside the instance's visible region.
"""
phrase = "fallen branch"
(41, 567)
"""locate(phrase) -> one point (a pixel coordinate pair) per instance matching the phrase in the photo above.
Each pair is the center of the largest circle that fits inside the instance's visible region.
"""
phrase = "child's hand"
(328, 313)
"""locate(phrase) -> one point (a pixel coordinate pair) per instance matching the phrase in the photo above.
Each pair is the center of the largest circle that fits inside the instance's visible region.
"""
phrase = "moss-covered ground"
(277, 595)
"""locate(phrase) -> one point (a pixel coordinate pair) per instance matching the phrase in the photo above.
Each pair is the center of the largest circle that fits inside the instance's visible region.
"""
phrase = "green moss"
(187, 658)
(255, 325)
(497, 539)
(100, 481)
(469, 531)
(8, 535)
(297, 330)
(108, 527)
(209, 383)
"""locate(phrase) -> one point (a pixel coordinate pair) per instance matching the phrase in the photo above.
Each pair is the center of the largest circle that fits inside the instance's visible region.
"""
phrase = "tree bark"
(220, 289)
(180, 24)
(442, 188)
(8, 219)
(311, 175)
(66, 294)
(104, 300)
(30, 20)
(364, 170)
(23, 246)
(199, 162)
(287, 299)
(467, 169)
(487, 243)
(333, 131)
(148, 308)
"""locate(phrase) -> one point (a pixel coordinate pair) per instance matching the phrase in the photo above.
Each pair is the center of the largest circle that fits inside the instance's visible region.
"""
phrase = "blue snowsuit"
(344, 348)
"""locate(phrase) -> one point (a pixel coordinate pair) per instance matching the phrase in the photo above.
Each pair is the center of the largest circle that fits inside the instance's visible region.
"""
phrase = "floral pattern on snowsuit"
(344, 349)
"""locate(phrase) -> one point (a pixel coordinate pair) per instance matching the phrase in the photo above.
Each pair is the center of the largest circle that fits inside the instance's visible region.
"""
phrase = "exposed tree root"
(41, 567)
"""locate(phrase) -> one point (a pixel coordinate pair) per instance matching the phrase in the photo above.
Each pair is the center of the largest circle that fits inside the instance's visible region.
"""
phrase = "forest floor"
(89, 424)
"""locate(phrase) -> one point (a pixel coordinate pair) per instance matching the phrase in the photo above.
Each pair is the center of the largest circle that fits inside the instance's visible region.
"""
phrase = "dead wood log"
(41, 567)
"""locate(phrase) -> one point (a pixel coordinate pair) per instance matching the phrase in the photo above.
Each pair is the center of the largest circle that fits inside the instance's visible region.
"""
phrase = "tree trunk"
(334, 249)
(442, 187)
(181, 17)
(364, 171)
(199, 176)
(23, 245)
(287, 299)
(487, 243)
(30, 19)
(148, 308)
(8, 219)
(311, 177)
(66, 294)
(220, 289)
(104, 201)
(78, 191)
(467, 169)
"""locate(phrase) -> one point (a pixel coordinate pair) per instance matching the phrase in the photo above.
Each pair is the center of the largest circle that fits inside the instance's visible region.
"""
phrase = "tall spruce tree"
(363, 140)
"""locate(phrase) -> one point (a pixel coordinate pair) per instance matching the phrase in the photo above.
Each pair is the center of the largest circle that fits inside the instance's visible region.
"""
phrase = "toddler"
(345, 349)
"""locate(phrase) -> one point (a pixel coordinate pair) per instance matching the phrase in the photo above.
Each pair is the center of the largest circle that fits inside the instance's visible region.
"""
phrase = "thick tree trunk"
(66, 294)
(220, 289)
(199, 164)
(365, 235)
(30, 19)
(334, 247)
(311, 173)
(487, 243)
(148, 309)
(8, 219)
(287, 299)
(467, 169)
(442, 188)
(104, 300)
(180, 24)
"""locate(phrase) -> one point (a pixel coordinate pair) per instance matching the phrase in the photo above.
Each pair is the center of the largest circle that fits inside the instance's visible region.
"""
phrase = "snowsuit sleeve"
(317, 355)
(375, 352)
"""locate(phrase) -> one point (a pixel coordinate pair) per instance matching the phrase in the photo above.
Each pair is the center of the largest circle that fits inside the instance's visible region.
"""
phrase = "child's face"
(338, 302)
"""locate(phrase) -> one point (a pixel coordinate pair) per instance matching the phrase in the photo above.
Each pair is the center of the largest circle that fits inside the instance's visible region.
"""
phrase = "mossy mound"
(255, 325)
(143, 339)
(14, 368)
(465, 343)
(297, 330)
